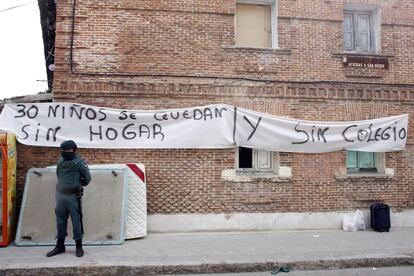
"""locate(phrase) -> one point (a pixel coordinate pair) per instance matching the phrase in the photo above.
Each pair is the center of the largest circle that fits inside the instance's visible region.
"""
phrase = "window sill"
(388, 175)
(374, 55)
(284, 175)
(257, 49)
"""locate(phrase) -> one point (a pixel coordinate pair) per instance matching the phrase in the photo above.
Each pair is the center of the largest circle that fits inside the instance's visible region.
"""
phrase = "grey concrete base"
(263, 221)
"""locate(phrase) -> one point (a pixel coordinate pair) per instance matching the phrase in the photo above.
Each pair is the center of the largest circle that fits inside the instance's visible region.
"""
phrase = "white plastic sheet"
(354, 221)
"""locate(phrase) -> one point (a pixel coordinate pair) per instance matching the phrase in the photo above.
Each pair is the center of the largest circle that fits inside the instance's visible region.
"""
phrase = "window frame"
(273, 21)
(273, 157)
(355, 32)
(374, 18)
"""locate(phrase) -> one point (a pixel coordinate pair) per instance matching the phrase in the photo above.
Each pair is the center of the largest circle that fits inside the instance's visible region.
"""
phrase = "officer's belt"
(68, 190)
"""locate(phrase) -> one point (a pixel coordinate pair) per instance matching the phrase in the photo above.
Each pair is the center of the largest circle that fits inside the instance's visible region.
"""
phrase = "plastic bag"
(354, 221)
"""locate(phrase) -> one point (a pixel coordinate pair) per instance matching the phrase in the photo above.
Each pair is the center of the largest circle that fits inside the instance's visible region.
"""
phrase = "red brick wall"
(197, 38)
(159, 54)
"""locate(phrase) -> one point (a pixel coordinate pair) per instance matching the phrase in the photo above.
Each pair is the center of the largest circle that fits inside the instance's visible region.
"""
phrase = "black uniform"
(72, 173)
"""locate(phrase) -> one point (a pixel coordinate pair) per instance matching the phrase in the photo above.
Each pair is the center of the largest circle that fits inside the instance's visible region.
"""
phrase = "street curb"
(210, 268)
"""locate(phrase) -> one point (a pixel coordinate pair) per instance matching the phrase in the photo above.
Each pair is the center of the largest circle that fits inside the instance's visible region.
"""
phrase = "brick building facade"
(168, 54)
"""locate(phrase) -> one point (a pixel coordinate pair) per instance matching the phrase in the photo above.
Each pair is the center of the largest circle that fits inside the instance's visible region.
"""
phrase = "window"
(254, 160)
(358, 161)
(253, 165)
(361, 28)
(255, 23)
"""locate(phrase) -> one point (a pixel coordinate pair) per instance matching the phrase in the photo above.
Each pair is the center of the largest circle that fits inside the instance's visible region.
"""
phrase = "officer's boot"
(59, 248)
(79, 250)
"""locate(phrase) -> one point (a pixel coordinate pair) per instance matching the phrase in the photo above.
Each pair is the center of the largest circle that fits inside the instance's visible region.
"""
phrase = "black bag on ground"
(380, 217)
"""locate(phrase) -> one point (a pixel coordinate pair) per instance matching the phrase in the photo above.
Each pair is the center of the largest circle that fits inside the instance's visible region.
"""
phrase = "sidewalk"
(220, 252)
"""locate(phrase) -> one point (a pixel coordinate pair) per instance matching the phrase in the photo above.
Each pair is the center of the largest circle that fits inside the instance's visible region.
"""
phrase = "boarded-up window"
(253, 25)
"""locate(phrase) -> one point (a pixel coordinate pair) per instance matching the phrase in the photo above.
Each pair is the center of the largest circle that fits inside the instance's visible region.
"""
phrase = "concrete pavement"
(219, 253)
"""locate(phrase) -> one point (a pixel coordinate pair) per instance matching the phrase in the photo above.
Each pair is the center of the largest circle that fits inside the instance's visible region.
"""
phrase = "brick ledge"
(364, 176)
(284, 175)
(341, 54)
(257, 49)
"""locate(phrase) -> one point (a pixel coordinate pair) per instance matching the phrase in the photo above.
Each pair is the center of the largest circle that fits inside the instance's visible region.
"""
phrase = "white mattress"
(136, 218)
(104, 208)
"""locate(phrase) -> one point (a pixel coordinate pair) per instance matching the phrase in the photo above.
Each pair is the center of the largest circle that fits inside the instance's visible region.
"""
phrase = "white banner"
(290, 135)
(212, 126)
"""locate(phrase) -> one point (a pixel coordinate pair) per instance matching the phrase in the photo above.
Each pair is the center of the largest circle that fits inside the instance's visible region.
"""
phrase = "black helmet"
(69, 144)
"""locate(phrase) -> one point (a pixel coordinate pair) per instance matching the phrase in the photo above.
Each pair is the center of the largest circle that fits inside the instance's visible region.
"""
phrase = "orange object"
(8, 194)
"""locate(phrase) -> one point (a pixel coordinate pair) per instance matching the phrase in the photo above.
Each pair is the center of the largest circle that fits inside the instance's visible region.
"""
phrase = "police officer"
(72, 173)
